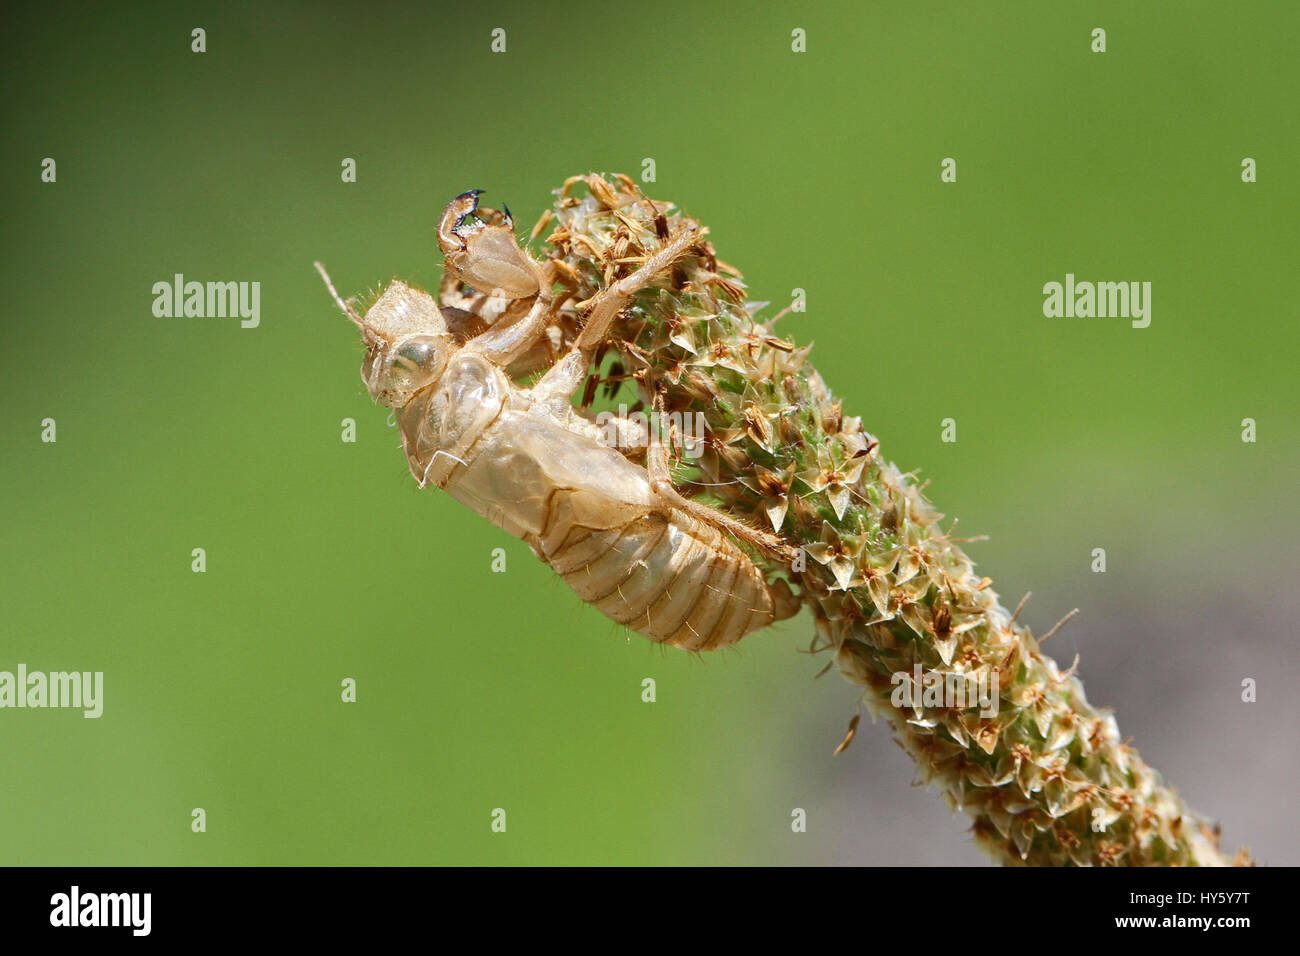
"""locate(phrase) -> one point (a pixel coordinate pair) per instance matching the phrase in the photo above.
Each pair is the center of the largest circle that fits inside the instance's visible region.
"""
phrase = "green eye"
(410, 366)
(413, 355)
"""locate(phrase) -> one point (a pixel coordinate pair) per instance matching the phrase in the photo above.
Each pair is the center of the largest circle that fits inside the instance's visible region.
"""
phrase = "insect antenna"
(345, 306)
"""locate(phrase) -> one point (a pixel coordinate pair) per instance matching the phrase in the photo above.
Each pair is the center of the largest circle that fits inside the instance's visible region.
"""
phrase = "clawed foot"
(484, 256)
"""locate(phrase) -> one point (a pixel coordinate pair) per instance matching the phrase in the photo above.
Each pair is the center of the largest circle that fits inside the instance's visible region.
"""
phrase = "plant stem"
(1043, 775)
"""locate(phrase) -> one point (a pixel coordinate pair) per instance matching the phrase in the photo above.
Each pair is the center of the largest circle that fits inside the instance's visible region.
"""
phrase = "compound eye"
(411, 366)
(413, 362)
(415, 354)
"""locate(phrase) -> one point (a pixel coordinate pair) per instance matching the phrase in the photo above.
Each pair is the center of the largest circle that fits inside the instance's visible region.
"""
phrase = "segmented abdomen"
(674, 580)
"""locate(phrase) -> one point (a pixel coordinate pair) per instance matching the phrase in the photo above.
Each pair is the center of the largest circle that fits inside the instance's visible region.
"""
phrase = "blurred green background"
(817, 170)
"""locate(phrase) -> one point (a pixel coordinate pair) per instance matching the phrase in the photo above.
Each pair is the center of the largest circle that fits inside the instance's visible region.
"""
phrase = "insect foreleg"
(490, 308)
(617, 296)
(450, 293)
(661, 482)
(564, 378)
(502, 345)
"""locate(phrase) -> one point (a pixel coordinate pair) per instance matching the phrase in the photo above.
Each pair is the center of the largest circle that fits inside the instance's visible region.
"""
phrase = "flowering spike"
(1043, 774)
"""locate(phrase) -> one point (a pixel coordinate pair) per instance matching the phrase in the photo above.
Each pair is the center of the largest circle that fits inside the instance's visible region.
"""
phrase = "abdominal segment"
(675, 580)
(591, 515)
